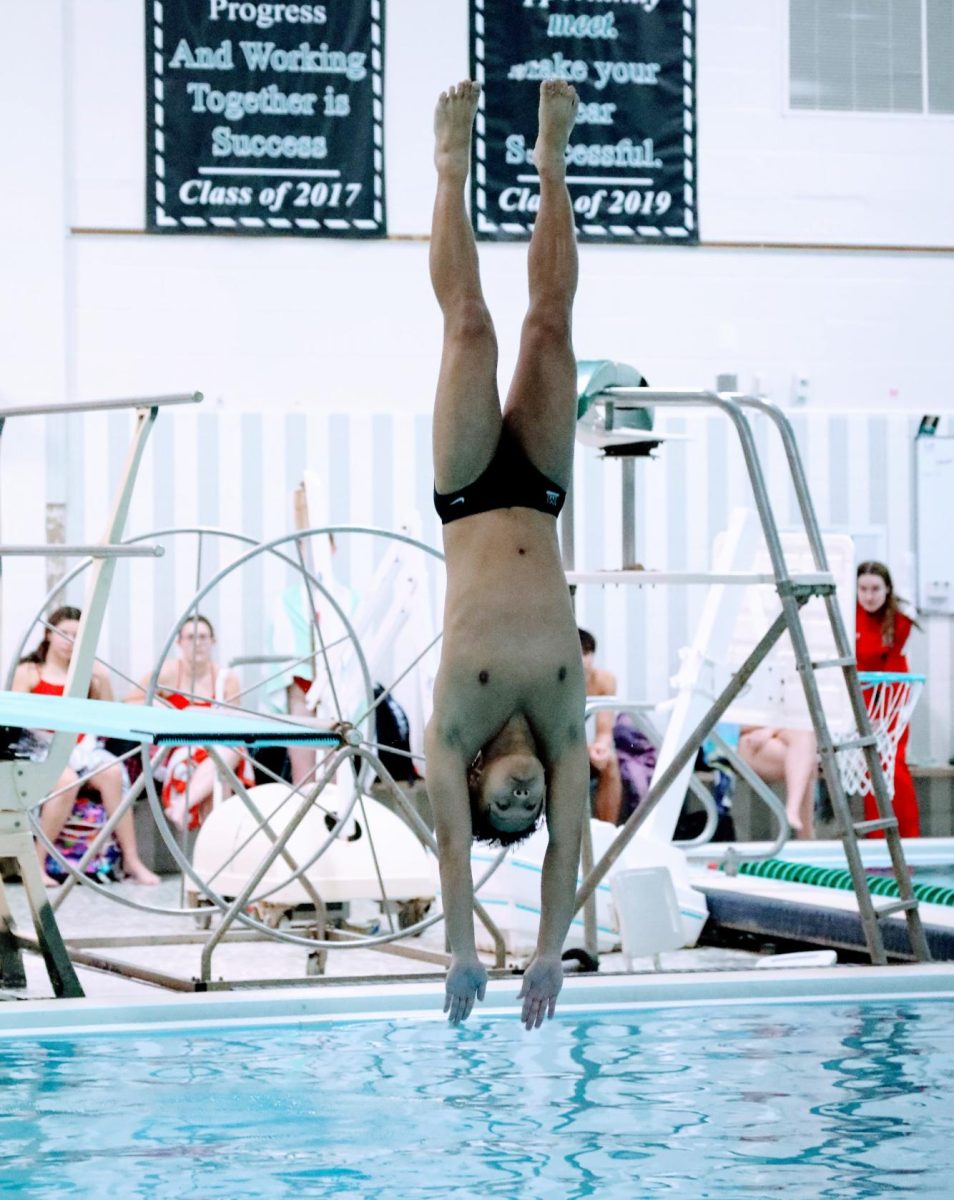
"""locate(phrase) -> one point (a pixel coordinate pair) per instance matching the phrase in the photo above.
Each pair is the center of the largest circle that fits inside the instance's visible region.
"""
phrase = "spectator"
(604, 765)
(788, 756)
(881, 633)
(91, 767)
(193, 680)
(636, 758)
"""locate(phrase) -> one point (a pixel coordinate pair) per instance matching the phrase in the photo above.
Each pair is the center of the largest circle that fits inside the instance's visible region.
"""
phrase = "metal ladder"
(793, 592)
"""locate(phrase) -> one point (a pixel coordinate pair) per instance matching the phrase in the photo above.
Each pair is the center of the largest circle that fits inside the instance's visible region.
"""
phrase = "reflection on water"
(836, 1103)
(933, 876)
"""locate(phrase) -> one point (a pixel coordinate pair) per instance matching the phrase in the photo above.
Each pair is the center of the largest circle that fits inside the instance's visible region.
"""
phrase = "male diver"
(506, 744)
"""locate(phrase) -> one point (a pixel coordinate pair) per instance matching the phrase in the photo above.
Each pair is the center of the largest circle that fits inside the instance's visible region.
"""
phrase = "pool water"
(935, 875)
(939, 876)
(837, 1101)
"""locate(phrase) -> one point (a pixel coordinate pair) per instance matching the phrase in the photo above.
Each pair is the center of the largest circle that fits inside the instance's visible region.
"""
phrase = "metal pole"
(82, 406)
(682, 756)
(57, 550)
(629, 514)
(590, 934)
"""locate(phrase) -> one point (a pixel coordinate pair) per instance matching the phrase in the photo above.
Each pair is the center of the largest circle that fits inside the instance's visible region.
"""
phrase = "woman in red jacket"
(882, 630)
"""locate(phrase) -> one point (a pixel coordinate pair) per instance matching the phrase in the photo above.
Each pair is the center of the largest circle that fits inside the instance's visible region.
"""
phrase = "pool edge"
(197, 1012)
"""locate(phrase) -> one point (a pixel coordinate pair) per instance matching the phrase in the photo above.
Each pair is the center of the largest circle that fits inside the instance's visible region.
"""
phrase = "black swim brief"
(509, 481)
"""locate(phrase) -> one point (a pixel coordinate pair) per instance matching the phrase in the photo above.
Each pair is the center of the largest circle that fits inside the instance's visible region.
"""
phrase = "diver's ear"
(475, 770)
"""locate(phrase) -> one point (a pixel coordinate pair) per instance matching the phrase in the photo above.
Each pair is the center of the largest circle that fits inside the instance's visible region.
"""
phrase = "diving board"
(22, 786)
(28, 774)
(155, 726)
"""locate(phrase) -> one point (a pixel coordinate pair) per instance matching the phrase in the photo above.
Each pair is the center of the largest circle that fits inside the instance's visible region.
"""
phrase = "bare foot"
(794, 821)
(49, 881)
(138, 872)
(453, 122)
(558, 105)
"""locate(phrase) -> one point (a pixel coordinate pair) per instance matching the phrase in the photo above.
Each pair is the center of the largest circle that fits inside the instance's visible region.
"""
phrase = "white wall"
(352, 325)
(235, 470)
(807, 177)
(764, 173)
(34, 216)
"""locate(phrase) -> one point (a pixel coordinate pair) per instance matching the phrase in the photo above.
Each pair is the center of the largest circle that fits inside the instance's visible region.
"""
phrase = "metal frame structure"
(235, 922)
(23, 784)
(794, 591)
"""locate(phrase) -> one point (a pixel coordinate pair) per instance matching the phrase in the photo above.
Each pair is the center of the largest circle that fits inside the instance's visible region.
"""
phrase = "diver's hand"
(466, 981)
(542, 981)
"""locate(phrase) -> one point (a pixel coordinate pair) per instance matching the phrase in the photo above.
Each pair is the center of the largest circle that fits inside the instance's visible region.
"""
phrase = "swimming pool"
(666, 1096)
(931, 859)
(938, 876)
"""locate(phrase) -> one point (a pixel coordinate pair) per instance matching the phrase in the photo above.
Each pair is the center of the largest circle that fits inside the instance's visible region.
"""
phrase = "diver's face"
(512, 791)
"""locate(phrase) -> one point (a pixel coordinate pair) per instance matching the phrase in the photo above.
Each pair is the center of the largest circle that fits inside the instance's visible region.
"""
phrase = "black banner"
(631, 158)
(265, 118)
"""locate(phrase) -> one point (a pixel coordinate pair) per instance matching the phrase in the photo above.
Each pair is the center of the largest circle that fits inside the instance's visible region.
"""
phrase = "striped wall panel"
(235, 471)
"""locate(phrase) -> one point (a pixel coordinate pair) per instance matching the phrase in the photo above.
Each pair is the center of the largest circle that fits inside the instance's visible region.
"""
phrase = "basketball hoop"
(890, 698)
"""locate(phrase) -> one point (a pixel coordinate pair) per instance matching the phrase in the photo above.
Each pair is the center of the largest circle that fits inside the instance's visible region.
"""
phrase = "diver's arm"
(566, 805)
(447, 791)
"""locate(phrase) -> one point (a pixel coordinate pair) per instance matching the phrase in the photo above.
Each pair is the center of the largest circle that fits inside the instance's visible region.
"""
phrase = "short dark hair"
(482, 828)
(486, 832)
(587, 641)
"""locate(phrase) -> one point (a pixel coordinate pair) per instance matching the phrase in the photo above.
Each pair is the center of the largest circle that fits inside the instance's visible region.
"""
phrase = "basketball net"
(890, 699)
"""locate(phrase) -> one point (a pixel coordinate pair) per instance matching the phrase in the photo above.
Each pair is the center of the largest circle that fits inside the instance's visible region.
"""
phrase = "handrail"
(652, 578)
(40, 410)
(58, 550)
(791, 596)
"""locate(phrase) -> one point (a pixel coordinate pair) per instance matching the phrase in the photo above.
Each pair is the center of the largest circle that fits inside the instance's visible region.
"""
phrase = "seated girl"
(192, 679)
(69, 817)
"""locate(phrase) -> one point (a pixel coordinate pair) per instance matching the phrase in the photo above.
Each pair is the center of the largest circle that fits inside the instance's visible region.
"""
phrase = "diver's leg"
(541, 406)
(467, 408)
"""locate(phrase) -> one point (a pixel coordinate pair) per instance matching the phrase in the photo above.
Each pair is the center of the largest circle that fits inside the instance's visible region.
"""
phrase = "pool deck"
(820, 915)
(85, 915)
(422, 1000)
(927, 851)
(242, 970)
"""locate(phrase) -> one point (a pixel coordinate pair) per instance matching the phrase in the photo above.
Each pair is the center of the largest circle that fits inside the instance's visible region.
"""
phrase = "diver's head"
(507, 794)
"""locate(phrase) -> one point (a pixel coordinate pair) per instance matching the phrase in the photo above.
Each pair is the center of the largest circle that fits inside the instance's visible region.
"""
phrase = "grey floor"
(85, 914)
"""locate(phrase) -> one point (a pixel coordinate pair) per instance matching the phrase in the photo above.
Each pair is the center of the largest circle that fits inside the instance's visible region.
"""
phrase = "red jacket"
(871, 652)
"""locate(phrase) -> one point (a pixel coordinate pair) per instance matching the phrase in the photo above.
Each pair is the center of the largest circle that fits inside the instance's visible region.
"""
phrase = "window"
(940, 56)
(893, 56)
